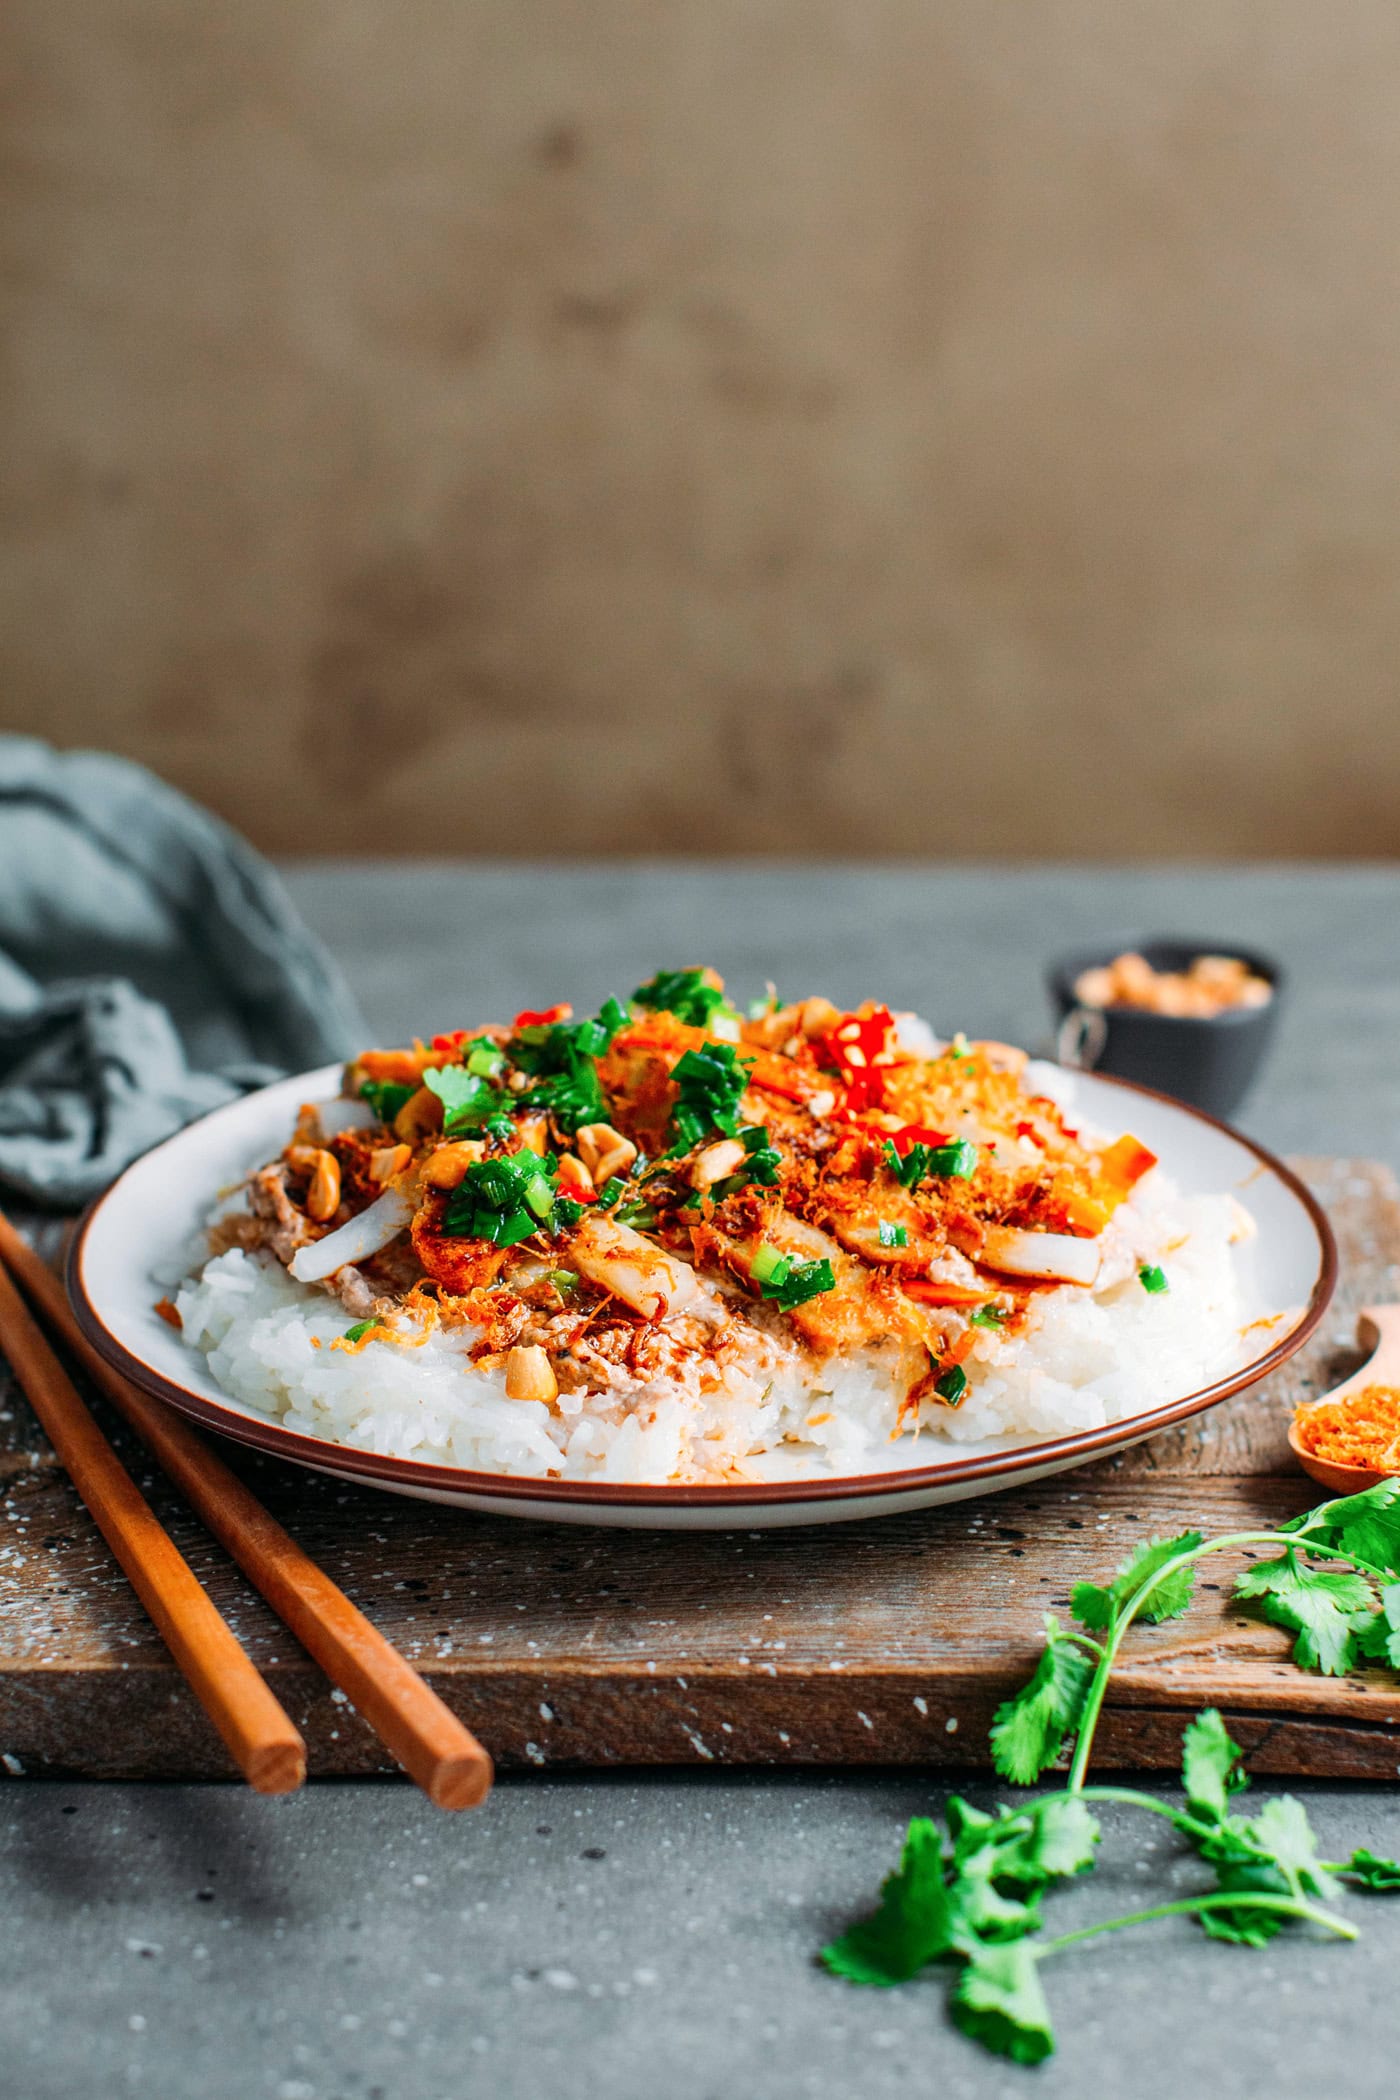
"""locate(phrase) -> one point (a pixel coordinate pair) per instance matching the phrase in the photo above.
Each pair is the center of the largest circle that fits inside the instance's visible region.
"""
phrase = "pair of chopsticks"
(406, 1714)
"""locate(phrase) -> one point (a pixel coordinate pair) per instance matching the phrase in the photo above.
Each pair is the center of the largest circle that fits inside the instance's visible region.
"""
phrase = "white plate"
(150, 1214)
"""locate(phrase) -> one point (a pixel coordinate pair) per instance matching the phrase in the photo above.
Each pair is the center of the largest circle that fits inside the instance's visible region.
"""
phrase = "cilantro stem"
(1093, 1704)
(1191, 1906)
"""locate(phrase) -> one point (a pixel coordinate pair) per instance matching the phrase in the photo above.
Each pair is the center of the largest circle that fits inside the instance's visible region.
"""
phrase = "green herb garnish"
(893, 1235)
(973, 1896)
(386, 1097)
(505, 1200)
(788, 1282)
(712, 1083)
(1152, 1279)
(991, 1317)
(683, 993)
(954, 1162)
(952, 1385)
(563, 1057)
(468, 1099)
(360, 1329)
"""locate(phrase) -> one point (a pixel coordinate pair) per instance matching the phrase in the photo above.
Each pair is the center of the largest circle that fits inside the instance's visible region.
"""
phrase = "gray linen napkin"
(151, 967)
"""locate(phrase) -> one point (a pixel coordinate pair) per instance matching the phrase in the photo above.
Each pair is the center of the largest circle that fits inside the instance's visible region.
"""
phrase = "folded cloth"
(151, 967)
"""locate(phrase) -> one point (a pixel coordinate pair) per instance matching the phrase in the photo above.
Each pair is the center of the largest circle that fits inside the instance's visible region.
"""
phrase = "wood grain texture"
(624, 429)
(881, 1643)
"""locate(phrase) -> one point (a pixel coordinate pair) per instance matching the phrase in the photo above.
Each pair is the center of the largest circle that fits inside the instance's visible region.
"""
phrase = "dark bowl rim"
(322, 1455)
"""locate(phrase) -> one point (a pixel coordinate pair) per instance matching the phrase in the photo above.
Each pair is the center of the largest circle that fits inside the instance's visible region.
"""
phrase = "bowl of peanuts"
(1191, 1018)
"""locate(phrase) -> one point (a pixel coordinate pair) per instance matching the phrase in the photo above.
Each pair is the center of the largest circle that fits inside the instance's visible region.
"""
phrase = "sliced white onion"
(643, 1276)
(1047, 1257)
(356, 1240)
(344, 1114)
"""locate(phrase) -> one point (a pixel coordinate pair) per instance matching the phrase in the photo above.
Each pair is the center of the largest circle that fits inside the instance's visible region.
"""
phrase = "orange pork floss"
(1361, 1429)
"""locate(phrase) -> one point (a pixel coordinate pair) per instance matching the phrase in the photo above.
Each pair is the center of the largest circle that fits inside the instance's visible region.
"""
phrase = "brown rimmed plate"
(132, 1239)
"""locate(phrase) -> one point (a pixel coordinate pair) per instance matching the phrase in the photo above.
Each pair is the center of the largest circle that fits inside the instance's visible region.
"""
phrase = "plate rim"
(275, 1441)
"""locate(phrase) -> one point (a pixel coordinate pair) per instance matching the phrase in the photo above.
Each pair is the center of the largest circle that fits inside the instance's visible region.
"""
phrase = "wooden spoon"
(1378, 1328)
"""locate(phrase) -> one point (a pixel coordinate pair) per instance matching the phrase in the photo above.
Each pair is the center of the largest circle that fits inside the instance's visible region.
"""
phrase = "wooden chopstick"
(260, 1736)
(426, 1737)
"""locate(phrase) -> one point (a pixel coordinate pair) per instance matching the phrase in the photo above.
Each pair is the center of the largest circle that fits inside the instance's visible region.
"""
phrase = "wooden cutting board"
(888, 1642)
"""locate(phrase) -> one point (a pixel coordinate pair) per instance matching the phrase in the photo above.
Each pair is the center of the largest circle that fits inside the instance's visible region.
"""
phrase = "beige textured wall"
(934, 426)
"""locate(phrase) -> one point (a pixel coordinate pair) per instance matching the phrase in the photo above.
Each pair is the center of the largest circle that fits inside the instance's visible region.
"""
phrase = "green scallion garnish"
(952, 1385)
(893, 1235)
(1152, 1279)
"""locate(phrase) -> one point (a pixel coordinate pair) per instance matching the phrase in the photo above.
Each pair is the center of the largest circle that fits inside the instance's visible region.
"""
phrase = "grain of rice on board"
(667, 1242)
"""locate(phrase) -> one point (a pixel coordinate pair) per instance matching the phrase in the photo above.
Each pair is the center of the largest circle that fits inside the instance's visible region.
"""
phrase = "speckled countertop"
(621, 1935)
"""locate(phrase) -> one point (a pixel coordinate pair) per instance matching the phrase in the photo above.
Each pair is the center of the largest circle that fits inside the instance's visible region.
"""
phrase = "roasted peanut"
(420, 1115)
(715, 1162)
(388, 1160)
(534, 1134)
(445, 1167)
(573, 1174)
(530, 1374)
(323, 1196)
(604, 1151)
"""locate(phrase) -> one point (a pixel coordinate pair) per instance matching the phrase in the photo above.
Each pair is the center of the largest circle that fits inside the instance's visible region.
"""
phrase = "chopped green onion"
(566, 1214)
(711, 1083)
(893, 1235)
(386, 1096)
(952, 1385)
(484, 1060)
(563, 1058)
(1152, 1279)
(990, 1316)
(788, 1282)
(564, 1279)
(683, 993)
(804, 1280)
(955, 1162)
(360, 1329)
(639, 1215)
(769, 1266)
(539, 1196)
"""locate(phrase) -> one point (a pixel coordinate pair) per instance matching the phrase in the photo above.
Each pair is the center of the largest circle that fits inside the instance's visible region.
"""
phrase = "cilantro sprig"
(971, 1894)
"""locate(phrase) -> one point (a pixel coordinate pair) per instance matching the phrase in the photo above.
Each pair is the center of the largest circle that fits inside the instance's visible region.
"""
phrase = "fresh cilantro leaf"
(1377, 1634)
(1281, 1828)
(1029, 1731)
(1314, 1603)
(467, 1098)
(982, 1913)
(1367, 1525)
(915, 1923)
(360, 1329)
(1096, 1608)
(999, 2002)
(1210, 1766)
(1382, 1876)
(386, 1097)
(1246, 1926)
(990, 1316)
(1046, 1840)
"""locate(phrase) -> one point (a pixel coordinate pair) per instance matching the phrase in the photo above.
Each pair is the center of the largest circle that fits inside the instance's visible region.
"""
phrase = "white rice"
(1091, 1357)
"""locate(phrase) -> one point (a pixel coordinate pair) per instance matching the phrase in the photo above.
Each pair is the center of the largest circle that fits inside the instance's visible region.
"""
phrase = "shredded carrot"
(1361, 1429)
(169, 1314)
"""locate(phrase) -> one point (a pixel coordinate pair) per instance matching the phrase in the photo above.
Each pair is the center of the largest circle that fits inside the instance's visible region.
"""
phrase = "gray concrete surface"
(624, 1936)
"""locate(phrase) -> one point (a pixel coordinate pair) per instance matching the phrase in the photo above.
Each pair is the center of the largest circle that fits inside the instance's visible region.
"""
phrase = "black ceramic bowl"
(1210, 1061)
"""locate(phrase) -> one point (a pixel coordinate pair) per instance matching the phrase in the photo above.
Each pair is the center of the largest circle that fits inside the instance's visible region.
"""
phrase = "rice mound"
(1089, 1357)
